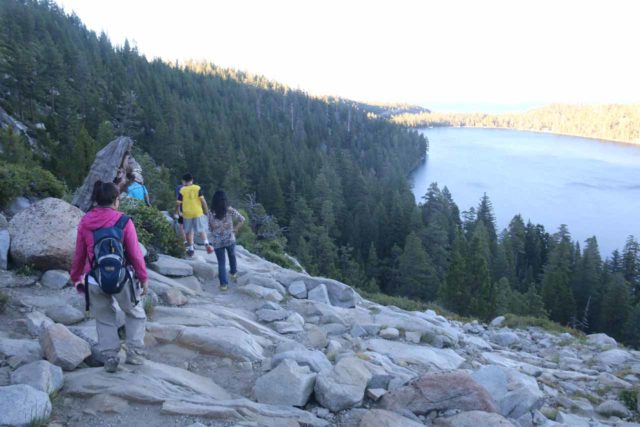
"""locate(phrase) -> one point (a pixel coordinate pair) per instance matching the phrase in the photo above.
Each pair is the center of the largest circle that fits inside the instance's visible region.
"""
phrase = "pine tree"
(454, 293)
(556, 292)
(418, 278)
(616, 307)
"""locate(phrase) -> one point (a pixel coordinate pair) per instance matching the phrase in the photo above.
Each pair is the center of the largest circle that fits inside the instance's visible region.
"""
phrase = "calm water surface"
(592, 186)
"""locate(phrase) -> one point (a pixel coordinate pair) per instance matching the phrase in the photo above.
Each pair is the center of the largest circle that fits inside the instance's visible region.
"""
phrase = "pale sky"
(448, 54)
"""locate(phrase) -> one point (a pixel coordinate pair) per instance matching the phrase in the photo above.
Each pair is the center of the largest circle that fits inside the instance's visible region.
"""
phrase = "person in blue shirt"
(136, 189)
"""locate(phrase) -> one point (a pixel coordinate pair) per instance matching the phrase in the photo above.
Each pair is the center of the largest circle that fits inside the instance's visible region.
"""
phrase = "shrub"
(630, 398)
(154, 231)
(514, 321)
(4, 299)
(18, 180)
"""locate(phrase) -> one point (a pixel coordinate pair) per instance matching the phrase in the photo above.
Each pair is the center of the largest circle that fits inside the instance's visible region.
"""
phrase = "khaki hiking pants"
(103, 308)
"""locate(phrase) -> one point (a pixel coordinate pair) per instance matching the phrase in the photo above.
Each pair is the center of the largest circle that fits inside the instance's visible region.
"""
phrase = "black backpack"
(109, 267)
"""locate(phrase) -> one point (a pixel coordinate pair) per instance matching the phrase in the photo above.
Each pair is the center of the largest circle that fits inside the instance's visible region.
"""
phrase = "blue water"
(592, 186)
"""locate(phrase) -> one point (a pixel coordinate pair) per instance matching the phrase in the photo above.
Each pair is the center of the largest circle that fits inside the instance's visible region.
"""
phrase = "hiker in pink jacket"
(105, 214)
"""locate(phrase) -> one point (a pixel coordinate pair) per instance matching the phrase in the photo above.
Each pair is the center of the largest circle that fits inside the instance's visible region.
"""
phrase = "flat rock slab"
(403, 353)
(8, 279)
(245, 410)
(149, 383)
(22, 404)
(260, 292)
(172, 267)
(40, 375)
(474, 419)
(382, 418)
(65, 314)
(223, 341)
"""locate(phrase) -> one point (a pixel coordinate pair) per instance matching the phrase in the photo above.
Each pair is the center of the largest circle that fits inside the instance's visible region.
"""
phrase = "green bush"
(403, 303)
(270, 249)
(18, 180)
(154, 231)
(630, 398)
(521, 322)
(3, 301)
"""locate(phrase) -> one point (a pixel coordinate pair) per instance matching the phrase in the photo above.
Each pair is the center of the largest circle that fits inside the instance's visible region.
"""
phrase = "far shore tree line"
(614, 122)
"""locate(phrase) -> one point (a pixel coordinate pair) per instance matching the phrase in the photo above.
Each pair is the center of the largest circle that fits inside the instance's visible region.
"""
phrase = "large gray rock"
(287, 384)
(40, 375)
(343, 386)
(314, 359)
(390, 333)
(382, 418)
(44, 235)
(173, 297)
(340, 294)
(20, 405)
(602, 340)
(402, 353)
(55, 279)
(319, 294)
(62, 348)
(440, 391)
(5, 243)
(203, 271)
(261, 292)
(298, 289)
(292, 325)
(37, 322)
(65, 314)
(104, 168)
(223, 341)
(613, 408)
(515, 393)
(172, 267)
(505, 338)
(474, 419)
(20, 352)
(613, 358)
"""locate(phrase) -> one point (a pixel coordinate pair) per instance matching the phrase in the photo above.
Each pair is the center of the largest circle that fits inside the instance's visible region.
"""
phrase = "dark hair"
(187, 177)
(104, 193)
(220, 204)
(131, 176)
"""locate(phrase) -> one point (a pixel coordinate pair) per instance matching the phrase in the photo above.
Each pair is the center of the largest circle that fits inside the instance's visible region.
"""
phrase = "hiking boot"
(133, 358)
(234, 277)
(209, 249)
(190, 253)
(111, 365)
(224, 288)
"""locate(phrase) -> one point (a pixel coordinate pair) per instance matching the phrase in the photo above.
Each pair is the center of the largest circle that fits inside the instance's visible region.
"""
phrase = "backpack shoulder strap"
(122, 222)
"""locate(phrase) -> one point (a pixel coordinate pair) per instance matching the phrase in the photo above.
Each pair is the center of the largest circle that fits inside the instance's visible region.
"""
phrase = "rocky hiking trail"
(282, 348)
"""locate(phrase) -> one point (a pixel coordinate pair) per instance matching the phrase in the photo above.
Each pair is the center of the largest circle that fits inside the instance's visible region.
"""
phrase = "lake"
(592, 186)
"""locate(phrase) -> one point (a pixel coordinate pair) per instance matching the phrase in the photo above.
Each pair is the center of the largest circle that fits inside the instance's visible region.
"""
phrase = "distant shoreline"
(548, 132)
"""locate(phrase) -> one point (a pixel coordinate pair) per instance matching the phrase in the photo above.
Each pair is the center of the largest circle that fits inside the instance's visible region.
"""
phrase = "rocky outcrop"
(112, 158)
(288, 349)
(44, 235)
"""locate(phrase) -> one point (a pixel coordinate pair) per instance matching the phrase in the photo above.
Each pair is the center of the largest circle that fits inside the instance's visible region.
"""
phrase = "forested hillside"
(336, 178)
(333, 175)
(610, 122)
